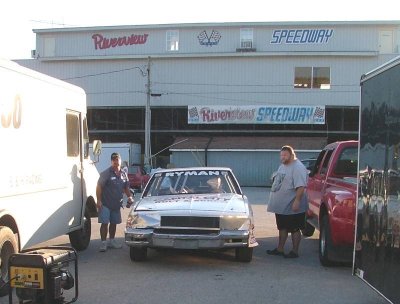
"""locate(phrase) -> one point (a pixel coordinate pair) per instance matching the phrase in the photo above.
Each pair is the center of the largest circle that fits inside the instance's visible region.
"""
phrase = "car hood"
(224, 202)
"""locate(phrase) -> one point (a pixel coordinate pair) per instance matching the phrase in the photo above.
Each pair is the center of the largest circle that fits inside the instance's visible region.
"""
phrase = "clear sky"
(18, 18)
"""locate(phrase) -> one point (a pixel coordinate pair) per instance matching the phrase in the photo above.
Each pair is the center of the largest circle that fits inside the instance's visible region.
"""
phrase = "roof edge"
(212, 24)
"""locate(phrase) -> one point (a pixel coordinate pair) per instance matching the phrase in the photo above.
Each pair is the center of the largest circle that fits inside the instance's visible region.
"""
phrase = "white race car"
(191, 208)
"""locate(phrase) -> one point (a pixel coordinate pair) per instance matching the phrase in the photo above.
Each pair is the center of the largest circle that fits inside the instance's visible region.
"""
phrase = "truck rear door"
(74, 163)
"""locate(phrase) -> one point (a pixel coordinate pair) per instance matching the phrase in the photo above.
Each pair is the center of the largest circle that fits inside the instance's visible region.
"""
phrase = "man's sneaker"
(103, 246)
(114, 244)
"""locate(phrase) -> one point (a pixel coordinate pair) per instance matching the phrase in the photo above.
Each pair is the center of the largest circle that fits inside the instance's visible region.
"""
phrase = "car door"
(316, 181)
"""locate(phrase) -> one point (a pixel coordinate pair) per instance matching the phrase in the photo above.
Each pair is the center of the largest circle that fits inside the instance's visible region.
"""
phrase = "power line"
(243, 85)
(115, 92)
(257, 92)
(216, 93)
(51, 22)
(106, 73)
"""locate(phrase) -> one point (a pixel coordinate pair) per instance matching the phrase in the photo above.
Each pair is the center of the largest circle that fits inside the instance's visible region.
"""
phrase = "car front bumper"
(221, 239)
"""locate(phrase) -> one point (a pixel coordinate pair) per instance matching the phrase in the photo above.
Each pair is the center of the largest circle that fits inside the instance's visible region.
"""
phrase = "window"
(321, 78)
(347, 162)
(172, 41)
(312, 77)
(302, 77)
(246, 38)
(49, 47)
(327, 158)
(85, 139)
(72, 135)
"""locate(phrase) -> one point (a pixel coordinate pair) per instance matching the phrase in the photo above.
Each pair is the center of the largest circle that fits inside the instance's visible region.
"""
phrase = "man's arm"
(99, 192)
(297, 199)
(130, 197)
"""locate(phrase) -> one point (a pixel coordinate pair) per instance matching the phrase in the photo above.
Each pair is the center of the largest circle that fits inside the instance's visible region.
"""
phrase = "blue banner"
(275, 114)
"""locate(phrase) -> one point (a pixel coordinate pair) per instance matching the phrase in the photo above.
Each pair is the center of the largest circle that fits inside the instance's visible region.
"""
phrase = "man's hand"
(99, 205)
(296, 206)
(129, 202)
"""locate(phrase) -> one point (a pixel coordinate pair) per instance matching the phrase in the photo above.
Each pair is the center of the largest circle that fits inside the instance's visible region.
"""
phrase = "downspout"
(206, 151)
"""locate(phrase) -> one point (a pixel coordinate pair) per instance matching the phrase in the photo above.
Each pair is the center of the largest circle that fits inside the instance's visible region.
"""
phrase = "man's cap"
(115, 155)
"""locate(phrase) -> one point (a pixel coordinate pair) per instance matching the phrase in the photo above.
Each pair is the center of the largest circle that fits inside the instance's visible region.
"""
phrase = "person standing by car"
(288, 201)
(112, 184)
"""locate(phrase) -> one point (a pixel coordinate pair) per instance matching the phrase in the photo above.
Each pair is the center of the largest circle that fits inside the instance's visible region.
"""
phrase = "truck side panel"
(41, 176)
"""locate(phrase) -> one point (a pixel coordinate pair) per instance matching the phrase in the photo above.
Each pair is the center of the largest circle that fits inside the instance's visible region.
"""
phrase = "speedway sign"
(274, 114)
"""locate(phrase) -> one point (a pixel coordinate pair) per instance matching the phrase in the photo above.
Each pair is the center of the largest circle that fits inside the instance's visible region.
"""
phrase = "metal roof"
(216, 24)
(248, 143)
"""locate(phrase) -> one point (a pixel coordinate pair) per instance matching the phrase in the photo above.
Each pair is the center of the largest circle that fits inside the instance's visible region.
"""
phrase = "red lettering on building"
(235, 114)
(101, 42)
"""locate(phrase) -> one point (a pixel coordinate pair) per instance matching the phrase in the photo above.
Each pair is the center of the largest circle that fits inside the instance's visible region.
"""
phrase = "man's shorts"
(291, 223)
(109, 216)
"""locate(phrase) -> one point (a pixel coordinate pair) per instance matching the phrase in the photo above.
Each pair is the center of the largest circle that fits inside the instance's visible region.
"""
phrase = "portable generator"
(42, 275)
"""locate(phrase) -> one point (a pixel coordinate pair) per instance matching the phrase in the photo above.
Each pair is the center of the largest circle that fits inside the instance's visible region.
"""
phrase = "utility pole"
(147, 131)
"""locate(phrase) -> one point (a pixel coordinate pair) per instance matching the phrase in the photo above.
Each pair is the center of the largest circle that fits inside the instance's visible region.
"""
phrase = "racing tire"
(325, 243)
(80, 239)
(138, 254)
(8, 246)
(244, 254)
(308, 231)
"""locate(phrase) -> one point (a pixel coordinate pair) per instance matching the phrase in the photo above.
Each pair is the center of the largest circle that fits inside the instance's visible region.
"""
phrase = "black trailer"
(377, 240)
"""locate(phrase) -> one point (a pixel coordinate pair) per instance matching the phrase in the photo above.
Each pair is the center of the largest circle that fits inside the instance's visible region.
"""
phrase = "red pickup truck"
(332, 194)
(138, 177)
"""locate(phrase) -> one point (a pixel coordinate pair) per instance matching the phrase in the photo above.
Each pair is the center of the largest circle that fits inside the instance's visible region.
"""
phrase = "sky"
(18, 18)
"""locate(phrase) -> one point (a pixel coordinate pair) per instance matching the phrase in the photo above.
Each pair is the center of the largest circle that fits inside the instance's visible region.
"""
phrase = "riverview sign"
(265, 114)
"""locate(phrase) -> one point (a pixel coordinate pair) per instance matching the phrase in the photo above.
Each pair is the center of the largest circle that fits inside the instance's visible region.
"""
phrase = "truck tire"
(80, 239)
(244, 254)
(138, 254)
(325, 242)
(8, 246)
(308, 231)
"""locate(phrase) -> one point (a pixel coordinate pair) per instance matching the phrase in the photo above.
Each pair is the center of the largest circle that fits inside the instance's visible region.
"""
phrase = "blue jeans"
(107, 216)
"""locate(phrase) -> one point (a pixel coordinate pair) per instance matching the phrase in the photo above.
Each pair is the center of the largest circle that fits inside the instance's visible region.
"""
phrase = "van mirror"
(97, 149)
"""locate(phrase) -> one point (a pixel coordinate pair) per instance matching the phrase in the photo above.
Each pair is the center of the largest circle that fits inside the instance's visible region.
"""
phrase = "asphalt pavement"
(173, 276)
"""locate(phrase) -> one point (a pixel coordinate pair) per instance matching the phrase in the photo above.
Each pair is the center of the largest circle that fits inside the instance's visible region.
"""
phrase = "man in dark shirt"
(111, 186)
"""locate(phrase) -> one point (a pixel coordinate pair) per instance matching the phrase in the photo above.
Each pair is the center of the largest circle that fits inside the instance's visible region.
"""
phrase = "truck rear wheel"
(325, 242)
(80, 239)
(8, 246)
(244, 254)
(138, 254)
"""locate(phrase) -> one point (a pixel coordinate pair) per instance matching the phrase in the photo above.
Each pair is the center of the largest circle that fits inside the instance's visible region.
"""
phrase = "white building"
(224, 66)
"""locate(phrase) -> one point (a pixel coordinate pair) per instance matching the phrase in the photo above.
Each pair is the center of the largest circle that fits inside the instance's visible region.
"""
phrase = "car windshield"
(192, 182)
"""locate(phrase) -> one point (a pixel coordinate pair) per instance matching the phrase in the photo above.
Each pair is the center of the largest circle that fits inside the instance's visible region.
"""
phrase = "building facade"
(175, 68)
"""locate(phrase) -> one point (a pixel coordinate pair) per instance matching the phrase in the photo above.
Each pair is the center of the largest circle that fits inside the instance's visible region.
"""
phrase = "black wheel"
(244, 254)
(138, 254)
(80, 239)
(8, 246)
(308, 231)
(325, 242)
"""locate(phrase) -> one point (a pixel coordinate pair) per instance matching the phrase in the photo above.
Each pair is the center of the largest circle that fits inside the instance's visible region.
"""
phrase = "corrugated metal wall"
(252, 168)
(195, 75)
(259, 80)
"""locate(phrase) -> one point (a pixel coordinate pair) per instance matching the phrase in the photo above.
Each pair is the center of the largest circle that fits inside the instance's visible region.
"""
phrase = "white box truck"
(130, 153)
(47, 180)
